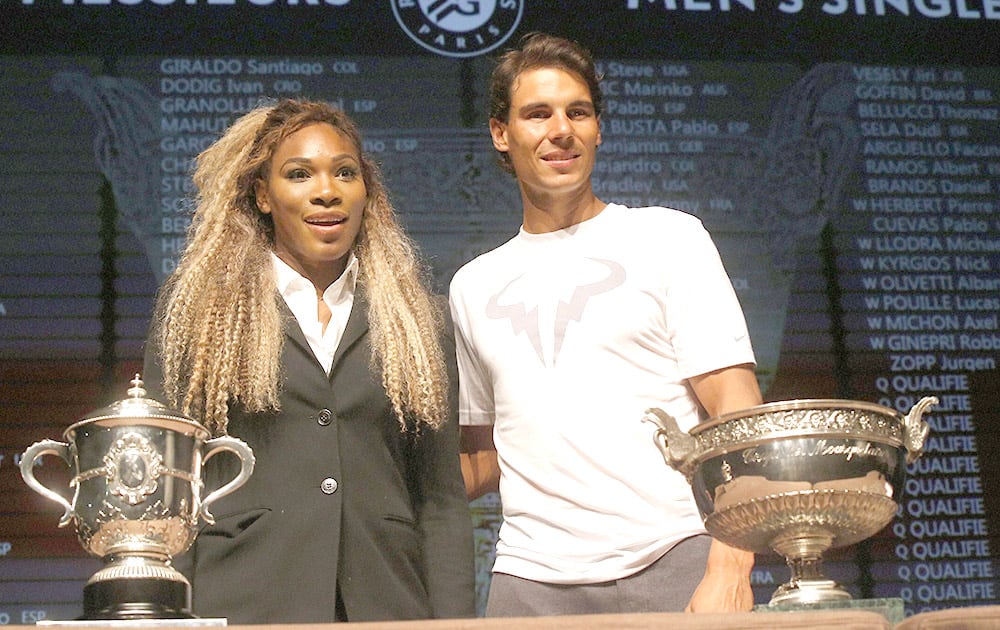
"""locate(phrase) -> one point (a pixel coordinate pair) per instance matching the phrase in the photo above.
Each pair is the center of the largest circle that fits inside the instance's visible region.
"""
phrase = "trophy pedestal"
(130, 599)
(889, 607)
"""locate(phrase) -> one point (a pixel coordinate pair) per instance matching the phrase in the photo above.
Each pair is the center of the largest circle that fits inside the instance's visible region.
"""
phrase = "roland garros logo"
(458, 28)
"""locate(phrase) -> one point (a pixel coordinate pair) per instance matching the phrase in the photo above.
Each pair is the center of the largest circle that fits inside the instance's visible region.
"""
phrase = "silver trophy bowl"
(136, 500)
(797, 478)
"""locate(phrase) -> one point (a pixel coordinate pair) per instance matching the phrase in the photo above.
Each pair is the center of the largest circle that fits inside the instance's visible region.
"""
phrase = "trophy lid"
(138, 409)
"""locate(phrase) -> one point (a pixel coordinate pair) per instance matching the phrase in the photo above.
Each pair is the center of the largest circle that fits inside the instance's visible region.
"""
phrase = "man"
(566, 334)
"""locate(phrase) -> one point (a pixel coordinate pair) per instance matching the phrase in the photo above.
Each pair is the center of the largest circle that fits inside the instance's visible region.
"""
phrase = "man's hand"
(726, 585)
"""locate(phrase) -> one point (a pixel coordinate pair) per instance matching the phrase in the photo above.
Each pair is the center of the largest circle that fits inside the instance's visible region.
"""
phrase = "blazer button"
(328, 485)
(324, 417)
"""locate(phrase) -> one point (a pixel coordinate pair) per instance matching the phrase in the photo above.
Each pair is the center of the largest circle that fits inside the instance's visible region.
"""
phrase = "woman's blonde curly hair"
(219, 327)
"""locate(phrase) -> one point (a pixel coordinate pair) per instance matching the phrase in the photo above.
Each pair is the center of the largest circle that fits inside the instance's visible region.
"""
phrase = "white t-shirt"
(564, 339)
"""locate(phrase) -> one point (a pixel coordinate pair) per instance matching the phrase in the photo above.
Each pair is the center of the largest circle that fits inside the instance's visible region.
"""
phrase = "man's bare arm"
(479, 461)
(726, 390)
(726, 584)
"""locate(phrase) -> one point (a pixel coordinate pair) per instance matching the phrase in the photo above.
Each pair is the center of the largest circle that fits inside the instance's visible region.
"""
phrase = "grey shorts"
(664, 586)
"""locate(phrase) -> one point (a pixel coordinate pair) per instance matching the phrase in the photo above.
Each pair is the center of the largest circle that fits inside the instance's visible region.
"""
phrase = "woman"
(298, 320)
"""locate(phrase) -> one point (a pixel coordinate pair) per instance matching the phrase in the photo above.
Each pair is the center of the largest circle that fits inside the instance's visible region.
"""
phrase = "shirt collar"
(290, 281)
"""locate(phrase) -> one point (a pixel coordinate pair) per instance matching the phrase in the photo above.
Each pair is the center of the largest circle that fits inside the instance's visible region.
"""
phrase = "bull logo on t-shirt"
(526, 319)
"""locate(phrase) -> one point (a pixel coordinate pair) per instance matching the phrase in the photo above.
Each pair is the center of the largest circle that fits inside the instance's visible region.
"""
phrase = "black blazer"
(340, 498)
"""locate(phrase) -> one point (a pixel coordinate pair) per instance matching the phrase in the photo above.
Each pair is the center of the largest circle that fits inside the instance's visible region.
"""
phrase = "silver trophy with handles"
(136, 498)
(798, 478)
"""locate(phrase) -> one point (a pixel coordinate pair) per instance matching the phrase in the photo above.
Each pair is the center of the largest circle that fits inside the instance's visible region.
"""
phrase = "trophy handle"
(915, 430)
(240, 448)
(676, 446)
(33, 452)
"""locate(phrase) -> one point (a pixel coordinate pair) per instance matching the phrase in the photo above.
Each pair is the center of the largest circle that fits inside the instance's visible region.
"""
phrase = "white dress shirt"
(300, 296)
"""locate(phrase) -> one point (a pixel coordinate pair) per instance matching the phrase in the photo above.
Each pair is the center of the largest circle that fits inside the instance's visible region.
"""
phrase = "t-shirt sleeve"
(707, 326)
(475, 387)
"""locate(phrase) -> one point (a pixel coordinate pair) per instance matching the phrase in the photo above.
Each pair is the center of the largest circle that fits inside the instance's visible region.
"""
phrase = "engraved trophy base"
(137, 586)
(131, 599)
(815, 590)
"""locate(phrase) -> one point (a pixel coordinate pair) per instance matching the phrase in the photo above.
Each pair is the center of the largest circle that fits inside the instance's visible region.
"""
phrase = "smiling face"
(551, 134)
(315, 193)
